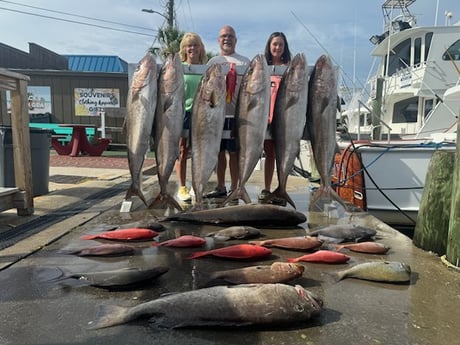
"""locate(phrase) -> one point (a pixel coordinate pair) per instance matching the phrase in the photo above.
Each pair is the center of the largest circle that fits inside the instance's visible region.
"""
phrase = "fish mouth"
(310, 296)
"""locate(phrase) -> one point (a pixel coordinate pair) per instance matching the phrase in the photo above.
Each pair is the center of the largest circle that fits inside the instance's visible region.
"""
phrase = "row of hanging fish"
(301, 105)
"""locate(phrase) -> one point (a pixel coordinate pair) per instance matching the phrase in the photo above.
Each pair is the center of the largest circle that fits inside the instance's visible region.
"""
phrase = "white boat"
(416, 90)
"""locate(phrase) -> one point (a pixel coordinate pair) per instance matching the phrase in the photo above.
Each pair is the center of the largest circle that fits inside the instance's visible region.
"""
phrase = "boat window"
(428, 106)
(417, 51)
(453, 52)
(399, 57)
(428, 37)
(405, 110)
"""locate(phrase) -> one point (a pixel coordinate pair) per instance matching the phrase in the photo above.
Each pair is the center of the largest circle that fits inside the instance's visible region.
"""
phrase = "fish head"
(309, 299)
(257, 77)
(295, 268)
(171, 72)
(144, 73)
(298, 71)
(214, 91)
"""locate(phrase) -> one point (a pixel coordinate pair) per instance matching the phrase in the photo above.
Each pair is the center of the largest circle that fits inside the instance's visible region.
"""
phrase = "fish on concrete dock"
(184, 241)
(379, 271)
(105, 249)
(116, 278)
(322, 256)
(343, 232)
(237, 251)
(239, 305)
(237, 232)
(368, 247)
(277, 272)
(133, 234)
(294, 243)
(260, 215)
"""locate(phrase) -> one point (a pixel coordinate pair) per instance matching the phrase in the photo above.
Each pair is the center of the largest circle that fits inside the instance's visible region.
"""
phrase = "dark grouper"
(242, 305)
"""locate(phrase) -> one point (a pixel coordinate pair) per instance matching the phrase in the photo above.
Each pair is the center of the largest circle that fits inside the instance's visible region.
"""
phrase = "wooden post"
(453, 239)
(432, 225)
(21, 143)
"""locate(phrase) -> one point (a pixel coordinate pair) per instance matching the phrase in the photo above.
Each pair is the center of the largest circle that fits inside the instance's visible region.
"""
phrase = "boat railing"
(379, 120)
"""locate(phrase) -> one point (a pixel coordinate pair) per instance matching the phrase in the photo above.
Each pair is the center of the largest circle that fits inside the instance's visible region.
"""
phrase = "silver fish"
(235, 232)
(263, 215)
(141, 103)
(251, 114)
(241, 305)
(168, 123)
(346, 232)
(321, 125)
(208, 118)
(277, 272)
(116, 278)
(380, 271)
(288, 122)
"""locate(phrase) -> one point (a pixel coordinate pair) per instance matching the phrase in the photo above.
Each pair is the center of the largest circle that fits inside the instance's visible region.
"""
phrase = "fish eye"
(299, 308)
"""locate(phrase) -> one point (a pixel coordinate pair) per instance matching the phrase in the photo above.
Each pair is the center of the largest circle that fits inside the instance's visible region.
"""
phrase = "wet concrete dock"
(35, 310)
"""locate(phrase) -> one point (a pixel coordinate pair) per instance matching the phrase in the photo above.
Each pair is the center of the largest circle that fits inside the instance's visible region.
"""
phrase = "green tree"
(169, 39)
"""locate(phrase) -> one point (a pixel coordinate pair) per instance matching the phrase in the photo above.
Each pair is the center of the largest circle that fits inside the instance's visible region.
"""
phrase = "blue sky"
(341, 28)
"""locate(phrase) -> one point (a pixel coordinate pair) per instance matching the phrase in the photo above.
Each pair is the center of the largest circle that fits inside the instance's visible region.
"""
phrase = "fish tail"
(164, 201)
(134, 190)
(337, 247)
(110, 315)
(279, 194)
(233, 195)
(326, 195)
(88, 237)
(293, 260)
(197, 255)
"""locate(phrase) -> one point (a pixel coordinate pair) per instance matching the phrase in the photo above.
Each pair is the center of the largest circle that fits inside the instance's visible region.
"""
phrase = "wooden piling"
(432, 225)
(453, 239)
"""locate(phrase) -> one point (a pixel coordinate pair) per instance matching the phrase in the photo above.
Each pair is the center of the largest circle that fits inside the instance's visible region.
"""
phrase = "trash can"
(40, 141)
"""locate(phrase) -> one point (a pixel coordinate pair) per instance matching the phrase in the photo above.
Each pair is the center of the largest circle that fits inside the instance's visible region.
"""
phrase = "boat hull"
(385, 179)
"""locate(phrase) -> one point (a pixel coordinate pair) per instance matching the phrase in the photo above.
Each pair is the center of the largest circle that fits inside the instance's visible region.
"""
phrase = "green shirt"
(191, 85)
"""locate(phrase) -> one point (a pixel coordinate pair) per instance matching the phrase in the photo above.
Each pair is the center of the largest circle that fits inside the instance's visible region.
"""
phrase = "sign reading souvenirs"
(90, 102)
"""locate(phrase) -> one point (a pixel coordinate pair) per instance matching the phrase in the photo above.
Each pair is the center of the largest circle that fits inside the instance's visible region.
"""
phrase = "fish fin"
(88, 237)
(230, 197)
(109, 315)
(164, 201)
(133, 190)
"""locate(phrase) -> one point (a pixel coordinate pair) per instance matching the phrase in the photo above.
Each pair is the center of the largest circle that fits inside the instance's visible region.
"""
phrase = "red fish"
(131, 234)
(364, 247)
(230, 82)
(323, 256)
(294, 243)
(182, 242)
(237, 251)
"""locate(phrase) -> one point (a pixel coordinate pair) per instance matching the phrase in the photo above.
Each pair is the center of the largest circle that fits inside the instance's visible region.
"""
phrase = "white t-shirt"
(238, 60)
(235, 58)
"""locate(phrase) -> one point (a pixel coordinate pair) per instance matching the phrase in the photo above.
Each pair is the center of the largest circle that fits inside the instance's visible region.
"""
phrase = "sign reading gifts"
(90, 102)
